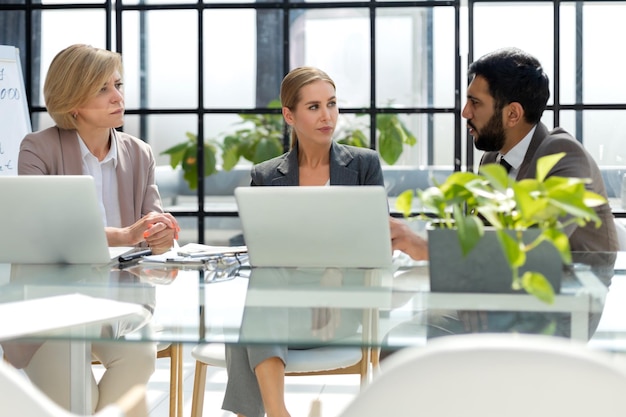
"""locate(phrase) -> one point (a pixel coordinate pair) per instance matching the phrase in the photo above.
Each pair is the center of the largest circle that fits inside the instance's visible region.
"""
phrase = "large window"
(195, 66)
(571, 39)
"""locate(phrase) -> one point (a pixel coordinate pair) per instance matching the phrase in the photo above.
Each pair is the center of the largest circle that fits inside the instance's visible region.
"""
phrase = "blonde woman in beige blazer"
(84, 96)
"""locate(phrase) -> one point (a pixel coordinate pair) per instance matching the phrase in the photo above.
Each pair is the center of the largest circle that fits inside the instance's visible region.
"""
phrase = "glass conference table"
(226, 301)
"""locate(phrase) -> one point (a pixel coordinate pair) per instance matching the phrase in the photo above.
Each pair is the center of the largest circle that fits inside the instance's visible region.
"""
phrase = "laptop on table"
(336, 226)
(52, 219)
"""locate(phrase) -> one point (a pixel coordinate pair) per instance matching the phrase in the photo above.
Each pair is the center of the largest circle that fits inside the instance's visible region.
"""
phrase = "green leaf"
(511, 247)
(561, 242)
(390, 143)
(265, 149)
(393, 135)
(176, 149)
(275, 104)
(432, 198)
(191, 137)
(209, 159)
(470, 230)
(191, 176)
(536, 284)
(526, 193)
(546, 163)
(176, 156)
(496, 175)
(230, 156)
(404, 202)
(355, 138)
(592, 199)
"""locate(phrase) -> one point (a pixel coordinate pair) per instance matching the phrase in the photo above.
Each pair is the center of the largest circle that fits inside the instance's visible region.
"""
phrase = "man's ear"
(513, 114)
(288, 116)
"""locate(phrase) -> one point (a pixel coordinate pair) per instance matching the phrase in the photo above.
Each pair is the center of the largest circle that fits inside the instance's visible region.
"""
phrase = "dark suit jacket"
(349, 165)
(577, 162)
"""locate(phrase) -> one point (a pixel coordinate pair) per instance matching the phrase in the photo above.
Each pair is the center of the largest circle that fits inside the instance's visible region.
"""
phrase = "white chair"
(496, 375)
(21, 398)
(317, 361)
(620, 227)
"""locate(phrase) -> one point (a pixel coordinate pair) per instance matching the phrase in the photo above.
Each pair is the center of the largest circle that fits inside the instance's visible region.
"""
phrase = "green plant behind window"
(186, 155)
(392, 136)
(260, 140)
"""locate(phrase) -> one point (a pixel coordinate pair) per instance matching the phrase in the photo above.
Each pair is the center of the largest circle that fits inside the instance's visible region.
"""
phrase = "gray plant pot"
(484, 269)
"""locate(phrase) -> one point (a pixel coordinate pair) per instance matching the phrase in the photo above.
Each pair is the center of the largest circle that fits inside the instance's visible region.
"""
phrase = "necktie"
(506, 165)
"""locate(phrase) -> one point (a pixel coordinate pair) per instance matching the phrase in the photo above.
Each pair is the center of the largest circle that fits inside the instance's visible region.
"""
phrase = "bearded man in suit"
(507, 94)
(506, 97)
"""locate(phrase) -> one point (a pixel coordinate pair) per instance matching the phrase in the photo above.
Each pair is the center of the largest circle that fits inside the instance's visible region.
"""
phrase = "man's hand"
(405, 240)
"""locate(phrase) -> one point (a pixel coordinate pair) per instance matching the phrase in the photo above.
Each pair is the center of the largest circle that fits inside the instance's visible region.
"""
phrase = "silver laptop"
(337, 226)
(52, 219)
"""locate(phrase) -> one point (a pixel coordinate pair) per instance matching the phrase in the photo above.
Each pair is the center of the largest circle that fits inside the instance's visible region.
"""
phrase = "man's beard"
(491, 136)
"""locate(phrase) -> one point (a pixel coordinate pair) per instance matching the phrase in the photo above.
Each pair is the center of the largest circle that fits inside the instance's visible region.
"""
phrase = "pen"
(201, 254)
(134, 255)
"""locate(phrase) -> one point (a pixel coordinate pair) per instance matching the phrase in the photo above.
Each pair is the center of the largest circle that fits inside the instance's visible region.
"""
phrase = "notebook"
(336, 226)
(52, 219)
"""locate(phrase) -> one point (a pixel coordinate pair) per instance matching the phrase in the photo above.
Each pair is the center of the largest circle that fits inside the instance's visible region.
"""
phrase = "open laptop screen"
(51, 219)
(336, 226)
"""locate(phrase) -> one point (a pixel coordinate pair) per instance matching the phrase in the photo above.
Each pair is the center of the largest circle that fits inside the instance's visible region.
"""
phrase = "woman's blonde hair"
(76, 75)
(293, 83)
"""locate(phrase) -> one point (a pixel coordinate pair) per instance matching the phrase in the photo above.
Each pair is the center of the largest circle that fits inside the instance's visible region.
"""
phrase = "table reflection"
(305, 307)
(103, 282)
(584, 288)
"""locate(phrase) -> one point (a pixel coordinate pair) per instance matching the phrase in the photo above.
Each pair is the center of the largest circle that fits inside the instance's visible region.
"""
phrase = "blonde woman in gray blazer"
(309, 106)
(84, 96)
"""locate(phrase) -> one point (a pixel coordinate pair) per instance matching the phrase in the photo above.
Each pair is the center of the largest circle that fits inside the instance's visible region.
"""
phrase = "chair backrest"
(621, 234)
(21, 398)
(496, 375)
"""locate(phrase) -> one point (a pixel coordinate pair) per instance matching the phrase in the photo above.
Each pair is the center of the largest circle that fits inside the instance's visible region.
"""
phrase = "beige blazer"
(55, 151)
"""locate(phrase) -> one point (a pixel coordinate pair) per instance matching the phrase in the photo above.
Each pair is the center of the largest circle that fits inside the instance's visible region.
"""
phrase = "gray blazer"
(349, 165)
(576, 163)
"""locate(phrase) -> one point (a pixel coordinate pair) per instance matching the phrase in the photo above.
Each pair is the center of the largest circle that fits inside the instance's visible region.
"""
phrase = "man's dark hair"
(514, 76)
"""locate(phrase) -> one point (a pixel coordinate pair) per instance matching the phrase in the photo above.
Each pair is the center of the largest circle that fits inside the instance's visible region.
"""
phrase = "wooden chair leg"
(364, 367)
(375, 358)
(199, 384)
(176, 381)
(179, 397)
(175, 353)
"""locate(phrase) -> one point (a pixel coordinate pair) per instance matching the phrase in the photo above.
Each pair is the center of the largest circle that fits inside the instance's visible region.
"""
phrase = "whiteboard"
(14, 117)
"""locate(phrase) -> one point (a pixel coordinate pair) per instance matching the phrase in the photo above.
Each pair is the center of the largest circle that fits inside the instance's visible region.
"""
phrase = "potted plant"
(526, 218)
